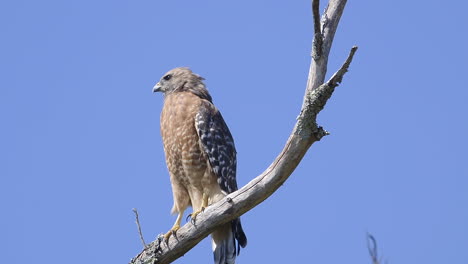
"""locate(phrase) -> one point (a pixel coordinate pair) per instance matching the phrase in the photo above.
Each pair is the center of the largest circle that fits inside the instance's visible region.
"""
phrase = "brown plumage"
(200, 155)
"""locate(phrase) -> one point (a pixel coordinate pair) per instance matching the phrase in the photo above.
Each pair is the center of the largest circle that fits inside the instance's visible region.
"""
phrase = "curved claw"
(172, 232)
(204, 204)
(166, 237)
(194, 215)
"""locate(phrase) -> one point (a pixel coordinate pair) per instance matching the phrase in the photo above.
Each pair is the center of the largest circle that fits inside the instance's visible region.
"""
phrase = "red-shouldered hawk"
(200, 156)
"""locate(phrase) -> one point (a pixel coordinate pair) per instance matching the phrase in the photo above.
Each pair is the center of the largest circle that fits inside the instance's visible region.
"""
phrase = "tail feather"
(239, 234)
(225, 248)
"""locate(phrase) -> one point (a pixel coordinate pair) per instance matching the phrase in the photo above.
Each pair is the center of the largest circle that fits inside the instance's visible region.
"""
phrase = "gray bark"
(304, 134)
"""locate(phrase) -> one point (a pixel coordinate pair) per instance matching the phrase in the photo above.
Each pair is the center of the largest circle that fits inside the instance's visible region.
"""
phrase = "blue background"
(80, 143)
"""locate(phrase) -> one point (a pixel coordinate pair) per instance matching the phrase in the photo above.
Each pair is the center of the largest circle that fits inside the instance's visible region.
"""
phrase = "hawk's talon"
(172, 232)
(174, 229)
(194, 215)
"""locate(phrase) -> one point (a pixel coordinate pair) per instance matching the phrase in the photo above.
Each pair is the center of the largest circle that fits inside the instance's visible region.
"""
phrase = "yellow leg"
(174, 228)
(202, 208)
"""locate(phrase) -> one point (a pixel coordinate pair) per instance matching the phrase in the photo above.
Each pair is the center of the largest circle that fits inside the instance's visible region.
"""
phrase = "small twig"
(372, 247)
(137, 220)
(338, 76)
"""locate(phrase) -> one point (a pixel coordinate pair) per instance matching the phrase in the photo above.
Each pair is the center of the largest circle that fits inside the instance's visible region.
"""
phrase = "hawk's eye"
(167, 77)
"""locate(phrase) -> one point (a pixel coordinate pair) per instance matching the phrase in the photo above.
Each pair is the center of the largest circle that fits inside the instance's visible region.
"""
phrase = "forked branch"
(304, 134)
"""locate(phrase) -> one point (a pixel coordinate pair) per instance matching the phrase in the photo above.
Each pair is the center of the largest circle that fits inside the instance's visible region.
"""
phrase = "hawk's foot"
(171, 232)
(174, 228)
(204, 204)
(193, 215)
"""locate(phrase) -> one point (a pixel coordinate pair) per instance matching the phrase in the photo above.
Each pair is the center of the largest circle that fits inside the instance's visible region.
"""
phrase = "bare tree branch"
(316, 16)
(329, 24)
(137, 221)
(318, 41)
(372, 247)
(304, 134)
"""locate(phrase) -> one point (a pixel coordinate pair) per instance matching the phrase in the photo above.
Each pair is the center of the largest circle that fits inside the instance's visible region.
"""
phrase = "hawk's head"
(182, 80)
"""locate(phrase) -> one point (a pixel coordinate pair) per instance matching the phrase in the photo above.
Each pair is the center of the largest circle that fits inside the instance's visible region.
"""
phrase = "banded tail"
(226, 242)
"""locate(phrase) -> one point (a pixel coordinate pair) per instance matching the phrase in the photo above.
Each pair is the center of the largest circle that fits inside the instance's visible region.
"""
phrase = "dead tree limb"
(137, 221)
(372, 248)
(304, 134)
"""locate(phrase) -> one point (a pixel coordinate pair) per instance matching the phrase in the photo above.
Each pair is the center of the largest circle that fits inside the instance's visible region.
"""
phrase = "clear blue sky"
(80, 143)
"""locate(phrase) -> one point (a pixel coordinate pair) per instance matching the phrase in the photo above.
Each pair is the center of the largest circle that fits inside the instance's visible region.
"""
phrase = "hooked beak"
(157, 88)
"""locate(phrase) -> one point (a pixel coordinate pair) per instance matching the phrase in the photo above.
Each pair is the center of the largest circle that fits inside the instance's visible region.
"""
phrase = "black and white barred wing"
(217, 143)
